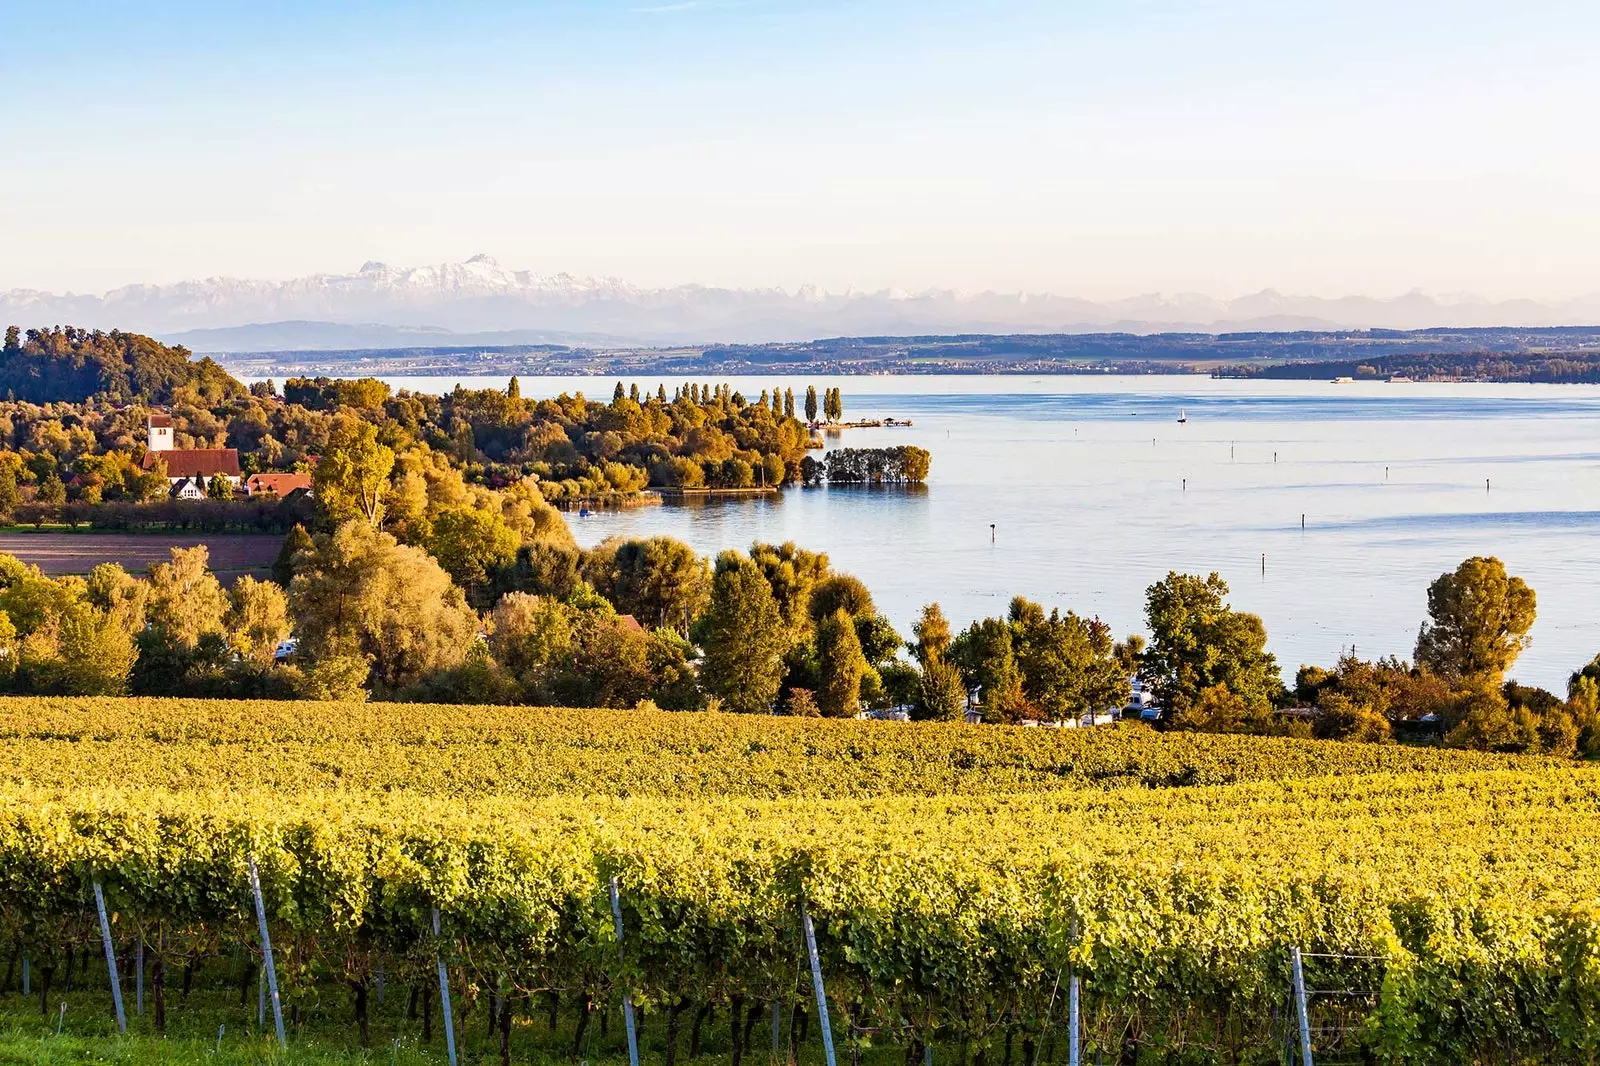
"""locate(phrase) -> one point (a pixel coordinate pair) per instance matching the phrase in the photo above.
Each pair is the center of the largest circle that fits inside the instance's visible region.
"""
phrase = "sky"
(1096, 148)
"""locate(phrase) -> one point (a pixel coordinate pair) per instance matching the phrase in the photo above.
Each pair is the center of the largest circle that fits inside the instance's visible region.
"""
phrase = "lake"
(1094, 491)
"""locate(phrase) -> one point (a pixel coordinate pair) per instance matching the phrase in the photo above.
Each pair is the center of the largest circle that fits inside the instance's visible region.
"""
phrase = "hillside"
(70, 365)
(955, 877)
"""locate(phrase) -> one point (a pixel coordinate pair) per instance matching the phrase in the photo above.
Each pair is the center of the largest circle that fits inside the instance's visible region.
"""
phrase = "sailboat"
(1182, 416)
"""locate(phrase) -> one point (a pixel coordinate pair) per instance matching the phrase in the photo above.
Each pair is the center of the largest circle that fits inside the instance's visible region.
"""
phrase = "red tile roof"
(196, 462)
(277, 484)
(158, 420)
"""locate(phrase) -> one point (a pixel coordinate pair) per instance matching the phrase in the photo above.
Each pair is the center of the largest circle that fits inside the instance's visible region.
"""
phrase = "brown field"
(232, 554)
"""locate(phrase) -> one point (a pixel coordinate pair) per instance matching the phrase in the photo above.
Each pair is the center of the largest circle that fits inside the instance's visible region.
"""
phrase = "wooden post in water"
(816, 984)
(266, 954)
(111, 957)
(627, 997)
(1300, 1008)
(444, 996)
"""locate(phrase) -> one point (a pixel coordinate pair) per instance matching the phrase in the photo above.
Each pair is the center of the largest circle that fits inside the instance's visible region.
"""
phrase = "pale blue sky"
(1088, 148)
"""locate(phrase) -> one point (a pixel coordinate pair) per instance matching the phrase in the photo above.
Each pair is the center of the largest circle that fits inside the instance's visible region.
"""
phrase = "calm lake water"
(1095, 491)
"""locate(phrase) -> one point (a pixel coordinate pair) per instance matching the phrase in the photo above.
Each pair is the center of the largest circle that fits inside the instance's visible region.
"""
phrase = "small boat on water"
(1183, 416)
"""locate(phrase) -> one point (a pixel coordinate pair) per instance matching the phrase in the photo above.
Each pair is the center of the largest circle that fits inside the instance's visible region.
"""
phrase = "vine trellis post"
(1300, 1008)
(1074, 1045)
(444, 995)
(111, 957)
(266, 953)
(816, 983)
(627, 997)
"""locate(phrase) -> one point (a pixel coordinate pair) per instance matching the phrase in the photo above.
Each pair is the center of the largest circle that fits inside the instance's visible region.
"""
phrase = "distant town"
(1556, 354)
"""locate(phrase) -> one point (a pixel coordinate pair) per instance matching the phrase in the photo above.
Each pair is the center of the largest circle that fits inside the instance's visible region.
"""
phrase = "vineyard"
(958, 879)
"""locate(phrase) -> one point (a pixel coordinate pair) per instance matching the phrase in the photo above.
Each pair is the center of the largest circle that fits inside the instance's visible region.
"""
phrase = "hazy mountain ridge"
(469, 302)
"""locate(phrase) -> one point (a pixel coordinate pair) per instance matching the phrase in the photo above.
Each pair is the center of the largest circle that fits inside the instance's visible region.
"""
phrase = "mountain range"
(480, 302)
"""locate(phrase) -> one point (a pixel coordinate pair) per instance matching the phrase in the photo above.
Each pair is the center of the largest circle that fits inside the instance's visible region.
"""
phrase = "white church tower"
(160, 432)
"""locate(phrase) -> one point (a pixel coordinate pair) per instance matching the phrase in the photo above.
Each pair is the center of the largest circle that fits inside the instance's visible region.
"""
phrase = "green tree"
(1068, 665)
(1479, 617)
(360, 593)
(532, 638)
(219, 488)
(788, 403)
(1197, 642)
(744, 637)
(840, 666)
(472, 545)
(352, 476)
(13, 340)
(941, 695)
(513, 389)
(296, 542)
(984, 652)
(661, 581)
(811, 403)
(840, 592)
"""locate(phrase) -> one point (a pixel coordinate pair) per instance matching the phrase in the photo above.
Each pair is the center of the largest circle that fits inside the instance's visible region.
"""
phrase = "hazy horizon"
(1095, 150)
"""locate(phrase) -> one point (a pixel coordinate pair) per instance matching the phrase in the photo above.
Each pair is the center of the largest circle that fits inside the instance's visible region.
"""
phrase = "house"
(279, 485)
(188, 488)
(198, 466)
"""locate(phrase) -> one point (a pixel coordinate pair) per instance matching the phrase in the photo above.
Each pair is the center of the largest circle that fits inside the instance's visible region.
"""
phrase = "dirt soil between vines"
(232, 554)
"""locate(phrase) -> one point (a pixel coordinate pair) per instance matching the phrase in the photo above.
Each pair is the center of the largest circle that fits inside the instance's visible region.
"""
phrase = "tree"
(352, 476)
(984, 653)
(840, 592)
(661, 581)
(532, 637)
(186, 600)
(13, 340)
(933, 635)
(296, 542)
(941, 696)
(472, 544)
(1479, 622)
(840, 666)
(744, 637)
(1218, 709)
(360, 593)
(219, 488)
(513, 389)
(1068, 665)
(811, 403)
(258, 619)
(1197, 642)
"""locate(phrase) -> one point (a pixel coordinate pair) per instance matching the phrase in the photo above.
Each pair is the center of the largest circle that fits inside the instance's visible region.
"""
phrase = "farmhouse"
(190, 471)
(276, 484)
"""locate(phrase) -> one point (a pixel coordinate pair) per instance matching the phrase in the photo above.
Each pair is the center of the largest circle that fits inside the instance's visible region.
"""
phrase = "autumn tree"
(661, 581)
(1479, 617)
(933, 635)
(258, 619)
(186, 600)
(472, 545)
(351, 478)
(840, 665)
(360, 593)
